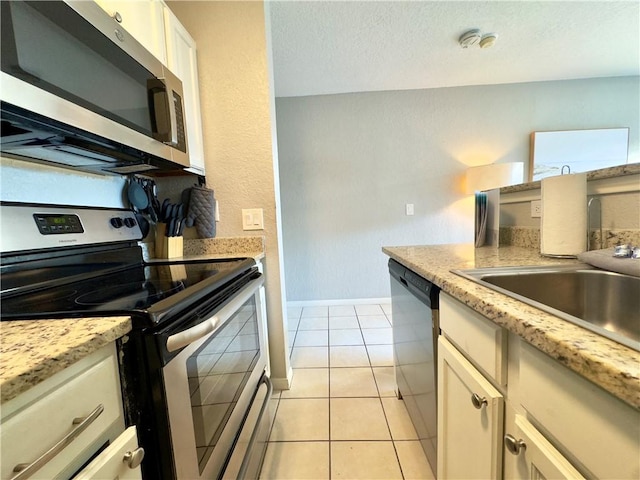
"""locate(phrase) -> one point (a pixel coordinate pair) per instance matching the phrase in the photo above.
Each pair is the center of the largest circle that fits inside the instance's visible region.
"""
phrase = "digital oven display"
(51, 224)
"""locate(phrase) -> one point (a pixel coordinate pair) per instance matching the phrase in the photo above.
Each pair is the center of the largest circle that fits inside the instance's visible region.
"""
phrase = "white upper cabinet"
(182, 61)
(143, 19)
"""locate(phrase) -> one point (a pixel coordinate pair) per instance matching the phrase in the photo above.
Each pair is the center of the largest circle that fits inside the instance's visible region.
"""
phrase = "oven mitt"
(201, 212)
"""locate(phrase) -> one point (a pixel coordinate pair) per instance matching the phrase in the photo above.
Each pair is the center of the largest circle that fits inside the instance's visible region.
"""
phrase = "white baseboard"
(349, 301)
(283, 383)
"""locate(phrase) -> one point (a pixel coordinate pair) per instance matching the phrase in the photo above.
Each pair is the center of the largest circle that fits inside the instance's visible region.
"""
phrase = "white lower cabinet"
(53, 429)
(119, 461)
(539, 420)
(530, 456)
(470, 419)
(599, 433)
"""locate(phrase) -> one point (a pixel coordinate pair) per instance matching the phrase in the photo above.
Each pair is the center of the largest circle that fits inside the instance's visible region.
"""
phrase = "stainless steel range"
(194, 369)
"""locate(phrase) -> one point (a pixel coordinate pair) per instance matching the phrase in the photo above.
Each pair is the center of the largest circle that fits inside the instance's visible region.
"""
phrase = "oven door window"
(217, 373)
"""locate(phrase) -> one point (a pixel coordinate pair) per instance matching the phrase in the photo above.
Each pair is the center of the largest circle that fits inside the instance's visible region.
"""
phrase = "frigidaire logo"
(73, 240)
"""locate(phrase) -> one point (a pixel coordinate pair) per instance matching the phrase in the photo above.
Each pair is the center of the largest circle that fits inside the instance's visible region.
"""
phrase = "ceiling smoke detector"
(488, 40)
(469, 38)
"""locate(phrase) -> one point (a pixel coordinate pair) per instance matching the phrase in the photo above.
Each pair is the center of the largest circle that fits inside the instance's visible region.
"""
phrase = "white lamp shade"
(495, 175)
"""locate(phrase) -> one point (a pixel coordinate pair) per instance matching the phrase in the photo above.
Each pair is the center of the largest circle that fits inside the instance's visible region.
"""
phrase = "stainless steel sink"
(604, 302)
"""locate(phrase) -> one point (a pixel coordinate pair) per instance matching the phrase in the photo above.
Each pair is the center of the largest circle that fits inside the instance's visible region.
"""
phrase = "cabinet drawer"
(482, 341)
(31, 425)
(601, 433)
(111, 463)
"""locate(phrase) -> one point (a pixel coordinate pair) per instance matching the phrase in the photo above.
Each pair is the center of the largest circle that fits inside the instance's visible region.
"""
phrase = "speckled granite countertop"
(612, 366)
(33, 350)
(214, 249)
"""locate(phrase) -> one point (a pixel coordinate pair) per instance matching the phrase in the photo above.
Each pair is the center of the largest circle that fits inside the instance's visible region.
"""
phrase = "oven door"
(211, 384)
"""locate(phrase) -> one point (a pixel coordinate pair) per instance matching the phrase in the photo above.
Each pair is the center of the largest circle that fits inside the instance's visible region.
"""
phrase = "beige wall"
(236, 104)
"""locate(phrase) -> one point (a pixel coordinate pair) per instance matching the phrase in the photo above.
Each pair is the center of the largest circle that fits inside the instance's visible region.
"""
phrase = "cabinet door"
(118, 461)
(470, 419)
(530, 456)
(83, 399)
(143, 19)
(182, 61)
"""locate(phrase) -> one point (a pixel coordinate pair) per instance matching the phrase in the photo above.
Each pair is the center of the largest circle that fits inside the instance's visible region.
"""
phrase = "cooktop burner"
(138, 294)
(144, 290)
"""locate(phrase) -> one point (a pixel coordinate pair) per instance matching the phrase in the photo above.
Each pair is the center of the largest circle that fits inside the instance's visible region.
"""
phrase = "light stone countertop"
(610, 365)
(33, 350)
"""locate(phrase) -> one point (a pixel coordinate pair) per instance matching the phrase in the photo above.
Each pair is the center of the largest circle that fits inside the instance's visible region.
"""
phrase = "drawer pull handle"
(25, 470)
(134, 459)
(514, 446)
(478, 401)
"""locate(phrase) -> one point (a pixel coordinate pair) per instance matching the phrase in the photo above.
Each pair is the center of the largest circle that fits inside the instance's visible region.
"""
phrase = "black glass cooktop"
(151, 290)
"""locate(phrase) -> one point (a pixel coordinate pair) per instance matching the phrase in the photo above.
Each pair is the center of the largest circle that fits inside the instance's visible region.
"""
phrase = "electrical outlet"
(536, 208)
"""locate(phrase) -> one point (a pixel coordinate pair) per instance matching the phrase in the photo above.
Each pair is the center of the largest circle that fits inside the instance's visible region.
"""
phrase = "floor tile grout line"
(395, 450)
(329, 366)
(329, 400)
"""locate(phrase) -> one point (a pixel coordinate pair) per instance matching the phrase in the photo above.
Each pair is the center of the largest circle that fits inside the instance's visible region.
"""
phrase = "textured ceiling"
(326, 47)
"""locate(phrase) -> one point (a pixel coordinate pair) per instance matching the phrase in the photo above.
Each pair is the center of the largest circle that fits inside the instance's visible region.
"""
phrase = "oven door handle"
(182, 339)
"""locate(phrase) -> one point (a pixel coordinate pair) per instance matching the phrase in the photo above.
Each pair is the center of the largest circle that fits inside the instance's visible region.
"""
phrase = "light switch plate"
(409, 208)
(252, 219)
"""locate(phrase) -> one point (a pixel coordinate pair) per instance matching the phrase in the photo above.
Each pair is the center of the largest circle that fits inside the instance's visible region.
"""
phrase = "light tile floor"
(341, 418)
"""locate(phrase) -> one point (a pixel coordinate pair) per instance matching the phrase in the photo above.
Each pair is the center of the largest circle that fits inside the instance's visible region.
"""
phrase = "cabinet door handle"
(514, 446)
(478, 401)
(25, 470)
(134, 459)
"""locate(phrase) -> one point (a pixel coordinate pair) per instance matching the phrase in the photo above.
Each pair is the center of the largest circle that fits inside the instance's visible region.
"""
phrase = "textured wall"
(236, 96)
(349, 164)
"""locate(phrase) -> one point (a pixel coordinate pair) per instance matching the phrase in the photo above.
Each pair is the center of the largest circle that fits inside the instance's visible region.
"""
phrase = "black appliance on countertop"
(76, 262)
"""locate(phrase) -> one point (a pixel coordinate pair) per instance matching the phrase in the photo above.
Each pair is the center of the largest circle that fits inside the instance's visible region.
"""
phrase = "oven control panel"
(51, 224)
(26, 227)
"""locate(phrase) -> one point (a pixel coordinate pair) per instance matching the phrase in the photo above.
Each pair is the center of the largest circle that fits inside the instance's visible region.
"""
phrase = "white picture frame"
(580, 150)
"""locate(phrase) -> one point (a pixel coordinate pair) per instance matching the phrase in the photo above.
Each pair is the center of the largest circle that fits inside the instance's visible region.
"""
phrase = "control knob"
(129, 222)
(116, 222)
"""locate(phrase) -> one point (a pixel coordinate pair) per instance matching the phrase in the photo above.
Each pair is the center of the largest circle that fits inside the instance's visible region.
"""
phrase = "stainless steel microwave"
(78, 90)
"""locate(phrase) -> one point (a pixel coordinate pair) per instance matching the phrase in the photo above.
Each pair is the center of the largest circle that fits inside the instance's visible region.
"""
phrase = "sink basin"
(604, 302)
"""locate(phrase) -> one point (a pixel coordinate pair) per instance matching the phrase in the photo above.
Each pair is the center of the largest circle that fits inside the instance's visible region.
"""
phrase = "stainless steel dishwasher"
(414, 303)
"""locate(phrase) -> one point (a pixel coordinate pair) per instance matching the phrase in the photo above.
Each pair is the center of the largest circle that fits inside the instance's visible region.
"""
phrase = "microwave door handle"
(173, 121)
(162, 106)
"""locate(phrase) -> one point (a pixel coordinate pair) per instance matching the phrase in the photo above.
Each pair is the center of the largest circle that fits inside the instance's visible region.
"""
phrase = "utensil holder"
(167, 247)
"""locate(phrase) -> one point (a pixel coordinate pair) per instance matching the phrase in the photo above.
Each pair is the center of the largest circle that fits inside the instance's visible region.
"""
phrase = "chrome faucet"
(589, 222)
